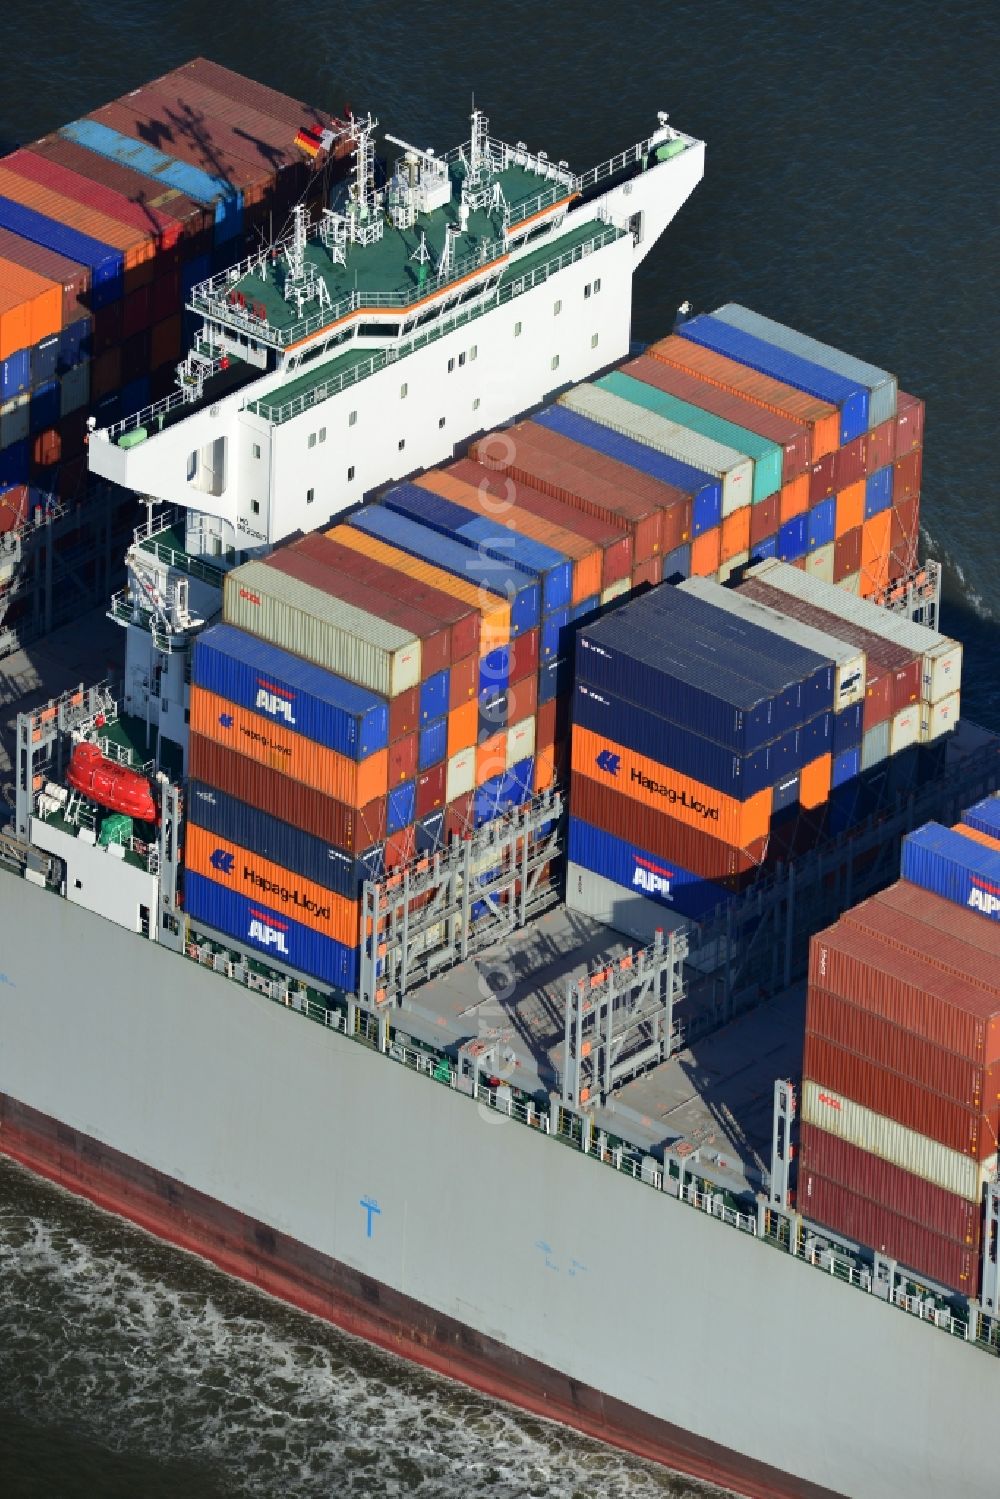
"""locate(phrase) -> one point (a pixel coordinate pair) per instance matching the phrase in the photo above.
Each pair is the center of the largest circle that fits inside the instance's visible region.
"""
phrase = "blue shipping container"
(14, 464)
(434, 695)
(642, 873)
(677, 564)
(15, 375)
(584, 609)
(705, 491)
(290, 847)
(107, 265)
(134, 396)
(45, 361)
(554, 638)
(820, 524)
(400, 806)
(502, 578)
(878, 491)
(284, 943)
(433, 745)
(966, 873)
(984, 816)
(493, 714)
(761, 550)
(846, 766)
(75, 344)
(429, 832)
(511, 789)
(793, 538)
(554, 679)
(144, 158)
(494, 673)
(291, 692)
(815, 738)
(45, 406)
(194, 271)
(850, 398)
(848, 728)
(674, 745)
(554, 570)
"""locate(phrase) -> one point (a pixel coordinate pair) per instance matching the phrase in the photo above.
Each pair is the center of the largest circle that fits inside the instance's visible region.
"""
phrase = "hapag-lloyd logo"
(289, 895)
(676, 798)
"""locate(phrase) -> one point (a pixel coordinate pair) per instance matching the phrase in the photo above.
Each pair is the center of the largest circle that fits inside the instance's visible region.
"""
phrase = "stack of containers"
(912, 688)
(900, 1109)
(102, 237)
(695, 734)
(867, 480)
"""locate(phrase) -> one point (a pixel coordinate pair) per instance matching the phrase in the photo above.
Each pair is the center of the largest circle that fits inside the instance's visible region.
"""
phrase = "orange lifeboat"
(110, 785)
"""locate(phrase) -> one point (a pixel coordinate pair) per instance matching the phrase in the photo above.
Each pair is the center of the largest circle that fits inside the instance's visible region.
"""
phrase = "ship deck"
(716, 1093)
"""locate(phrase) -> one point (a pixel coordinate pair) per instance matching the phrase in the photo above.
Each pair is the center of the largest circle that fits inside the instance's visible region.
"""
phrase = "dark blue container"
(850, 399)
(785, 792)
(705, 491)
(673, 745)
(761, 550)
(108, 409)
(964, 872)
(820, 523)
(815, 738)
(433, 744)
(500, 793)
(167, 170)
(554, 637)
(802, 677)
(677, 564)
(554, 679)
(107, 265)
(793, 538)
(520, 589)
(641, 873)
(194, 271)
(14, 464)
(554, 570)
(400, 806)
(134, 396)
(434, 696)
(75, 344)
(848, 729)
(584, 609)
(45, 361)
(428, 832)
(984, 816)
(45, 406)
(291, 692)
(494, 673)
(878, 491)
(846, 766)
(287, 846)
(281, 942)
(15, 375)
(493, 713)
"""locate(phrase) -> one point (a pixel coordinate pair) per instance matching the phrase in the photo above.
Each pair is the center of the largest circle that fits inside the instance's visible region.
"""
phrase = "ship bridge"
(411, 315)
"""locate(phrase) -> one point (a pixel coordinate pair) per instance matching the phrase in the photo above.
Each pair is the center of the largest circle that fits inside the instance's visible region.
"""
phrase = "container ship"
(534, 838)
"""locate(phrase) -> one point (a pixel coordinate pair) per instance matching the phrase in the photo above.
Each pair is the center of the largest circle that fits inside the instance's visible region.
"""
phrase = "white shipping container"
(460, 776)
(875, 745)
(941, 667)
(520, 741)
(819, 564)
(618, 906)
(735, 470)
(14, 420)
(851, 584)
(893, 1142)
(904, 728)
(939, 718)
(344, 640)
(850, 663)
(732, 565)
(616, 590)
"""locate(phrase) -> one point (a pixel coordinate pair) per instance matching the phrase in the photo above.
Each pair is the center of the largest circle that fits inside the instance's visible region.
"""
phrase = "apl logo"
(609, 762)
(274, 700)
(268, 931)
(653, 878)
(985, 898)
(226, 720)
(222, 861)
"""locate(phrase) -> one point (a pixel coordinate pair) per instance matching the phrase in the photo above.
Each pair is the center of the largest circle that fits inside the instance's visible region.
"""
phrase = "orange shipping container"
(850, 509)
(814, 782)
(705, 553)
(735, 534)
(495, 631)
(491, 758)
(463, 726)
(248, 874)
(658, 786)
(794, 498)
(138, 248)
(977, 836)
(30, 308)
(875, 553)
(355, 782)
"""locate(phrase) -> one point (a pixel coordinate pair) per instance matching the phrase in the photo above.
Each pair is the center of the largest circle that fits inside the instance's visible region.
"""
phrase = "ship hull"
(395, 1207)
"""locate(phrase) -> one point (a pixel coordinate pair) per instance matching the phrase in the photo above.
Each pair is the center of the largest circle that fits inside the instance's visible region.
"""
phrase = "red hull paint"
(289, 1270)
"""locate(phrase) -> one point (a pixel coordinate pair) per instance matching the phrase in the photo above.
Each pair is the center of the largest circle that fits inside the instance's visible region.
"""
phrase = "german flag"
(309, 140)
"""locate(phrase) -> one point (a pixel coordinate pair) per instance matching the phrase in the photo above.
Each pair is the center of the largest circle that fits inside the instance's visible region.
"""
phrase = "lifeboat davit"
(110, 785)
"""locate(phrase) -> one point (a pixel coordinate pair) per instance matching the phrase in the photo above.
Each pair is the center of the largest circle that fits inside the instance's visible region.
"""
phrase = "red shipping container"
(135, 356)
(944, 935)
(523, 656)
(905, 523)
(138, 247)
(522, 699)
(165, 344)
(858, 1219)
(896, 1097)
(14, 508)
(72, 278)
(430, 789)
(403, 759)
(647, 574)
(765, 518)
(192, 98)
(463, 683)
(106, 374)
(435, 638)
(553, 721)
(46, 447)
(881, 446)
(822, 479)
(350, 828)
(850, 463)
(898, 1190)
(906, 481)
(247, 91)
(907, 989)
(135, 311)
(40, 168)
(148, 119)
(847, 555)
(791, 437)
(458, 817)
(899, 1050)
(400, 849)
(404, 715)
(909, 424)
(164, 295)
